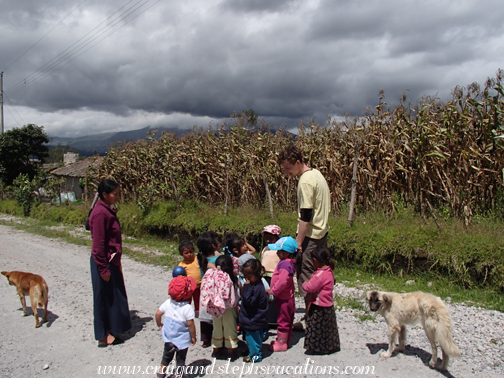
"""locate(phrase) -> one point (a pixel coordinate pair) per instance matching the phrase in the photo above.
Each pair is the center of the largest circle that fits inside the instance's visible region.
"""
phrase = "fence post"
(227, 194)
(354, 186)
(268, 194)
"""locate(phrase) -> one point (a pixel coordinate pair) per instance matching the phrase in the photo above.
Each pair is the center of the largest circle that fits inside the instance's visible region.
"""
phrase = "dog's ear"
(368, 296)
(386, 298)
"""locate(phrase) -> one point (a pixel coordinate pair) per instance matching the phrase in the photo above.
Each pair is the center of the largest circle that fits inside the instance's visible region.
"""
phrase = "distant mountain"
(89, 144)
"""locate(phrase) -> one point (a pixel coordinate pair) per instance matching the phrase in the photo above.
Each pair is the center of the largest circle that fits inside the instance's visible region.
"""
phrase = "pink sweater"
(320, 286)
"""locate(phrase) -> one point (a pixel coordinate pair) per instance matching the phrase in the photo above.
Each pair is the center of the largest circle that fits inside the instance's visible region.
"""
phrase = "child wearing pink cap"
(270, 260)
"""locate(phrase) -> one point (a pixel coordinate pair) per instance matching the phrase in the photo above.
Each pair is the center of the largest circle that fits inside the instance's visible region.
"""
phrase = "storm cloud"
(121, 65)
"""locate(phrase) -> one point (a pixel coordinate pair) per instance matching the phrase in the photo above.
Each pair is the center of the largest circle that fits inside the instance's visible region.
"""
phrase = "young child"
(269, 258)
(237, 246)
(217, 243)
(206, 260)
(190, 264)
(241, 279)
(322, 335)
(219, 298)
(253, 314)
(282, 287)
(269, 261)
(178, 328)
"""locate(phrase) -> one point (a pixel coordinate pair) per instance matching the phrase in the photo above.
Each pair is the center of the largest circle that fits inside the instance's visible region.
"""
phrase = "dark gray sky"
(118, 65)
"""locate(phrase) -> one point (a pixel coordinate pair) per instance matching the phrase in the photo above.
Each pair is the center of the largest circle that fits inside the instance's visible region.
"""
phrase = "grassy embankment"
(463, 263)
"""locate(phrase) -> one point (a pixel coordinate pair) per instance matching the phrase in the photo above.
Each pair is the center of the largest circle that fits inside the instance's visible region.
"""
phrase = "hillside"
(89, 144)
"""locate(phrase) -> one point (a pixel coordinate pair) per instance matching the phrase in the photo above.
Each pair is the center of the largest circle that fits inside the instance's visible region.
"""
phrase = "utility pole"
(1, 99)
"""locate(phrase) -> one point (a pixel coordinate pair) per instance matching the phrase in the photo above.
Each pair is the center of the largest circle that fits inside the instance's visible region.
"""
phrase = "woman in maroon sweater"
(110, 303)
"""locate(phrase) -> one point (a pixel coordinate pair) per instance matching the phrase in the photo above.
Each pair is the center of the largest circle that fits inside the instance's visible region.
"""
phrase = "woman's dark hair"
(226, 264)
(205, 247)
(256, 267)
(323, 256)
(185, 245)
(233, 241)
(106, 186)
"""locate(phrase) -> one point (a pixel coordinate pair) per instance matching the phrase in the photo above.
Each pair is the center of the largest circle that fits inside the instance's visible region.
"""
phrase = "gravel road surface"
(65, 346)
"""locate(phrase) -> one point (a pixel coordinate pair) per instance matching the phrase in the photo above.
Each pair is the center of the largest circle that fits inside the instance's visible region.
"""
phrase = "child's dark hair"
(185, 245)
(324, 257)
(205, 247)
(233, 241)
(216, 237)
(226, 264)
(256, 267)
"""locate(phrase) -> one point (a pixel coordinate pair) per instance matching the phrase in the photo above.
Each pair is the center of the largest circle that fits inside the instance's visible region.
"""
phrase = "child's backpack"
(217, 291)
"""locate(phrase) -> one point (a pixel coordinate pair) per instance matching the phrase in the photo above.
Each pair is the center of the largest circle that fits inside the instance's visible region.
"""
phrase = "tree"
(19, 150)
(247, 119)
(24, 191)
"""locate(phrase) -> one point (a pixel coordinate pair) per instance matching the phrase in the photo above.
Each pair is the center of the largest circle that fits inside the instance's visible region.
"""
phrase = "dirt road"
(65, 346)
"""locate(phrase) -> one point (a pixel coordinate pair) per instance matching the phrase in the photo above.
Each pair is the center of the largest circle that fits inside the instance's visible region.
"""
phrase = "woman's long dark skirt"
(322, 336)
(110, 303)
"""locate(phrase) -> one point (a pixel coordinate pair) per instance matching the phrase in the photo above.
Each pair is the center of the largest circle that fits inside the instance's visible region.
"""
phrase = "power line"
(64, 57)
(45, 35)
(14, 118)
(10, 102)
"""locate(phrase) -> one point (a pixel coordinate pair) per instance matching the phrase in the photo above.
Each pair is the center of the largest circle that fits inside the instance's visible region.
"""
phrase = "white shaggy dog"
(400, 310)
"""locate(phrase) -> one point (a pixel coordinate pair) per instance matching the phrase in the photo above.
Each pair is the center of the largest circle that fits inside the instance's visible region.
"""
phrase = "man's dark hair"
(290, 154)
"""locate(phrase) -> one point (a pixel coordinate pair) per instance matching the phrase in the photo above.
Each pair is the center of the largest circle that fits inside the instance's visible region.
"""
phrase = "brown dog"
(32, 285)
(400, 310)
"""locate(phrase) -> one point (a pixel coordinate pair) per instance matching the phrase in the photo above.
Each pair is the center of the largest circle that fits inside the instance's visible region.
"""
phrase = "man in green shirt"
(314, 203)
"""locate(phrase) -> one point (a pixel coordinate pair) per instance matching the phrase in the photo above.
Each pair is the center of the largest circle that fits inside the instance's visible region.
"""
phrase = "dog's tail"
(43, 294)
(444, 333)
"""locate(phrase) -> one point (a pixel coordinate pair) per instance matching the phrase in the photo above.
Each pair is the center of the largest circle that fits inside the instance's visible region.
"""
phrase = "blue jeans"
(254, 343)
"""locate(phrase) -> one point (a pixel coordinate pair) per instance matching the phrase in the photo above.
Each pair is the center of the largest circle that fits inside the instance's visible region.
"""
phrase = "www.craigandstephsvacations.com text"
(244, 370)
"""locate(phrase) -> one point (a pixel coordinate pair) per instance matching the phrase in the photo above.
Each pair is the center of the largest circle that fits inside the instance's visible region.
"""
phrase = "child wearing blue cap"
(282, 287)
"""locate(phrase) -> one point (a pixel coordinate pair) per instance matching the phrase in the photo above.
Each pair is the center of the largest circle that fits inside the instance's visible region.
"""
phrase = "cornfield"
(428, 155)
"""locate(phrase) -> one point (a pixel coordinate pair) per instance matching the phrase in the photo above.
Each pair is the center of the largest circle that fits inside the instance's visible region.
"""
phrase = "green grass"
(380, 251)
(48, 229)
(404, 243)
(430, 283)
(148, 250)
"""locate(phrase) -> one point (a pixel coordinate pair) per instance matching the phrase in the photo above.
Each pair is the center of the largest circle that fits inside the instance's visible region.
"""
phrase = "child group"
(233, 292)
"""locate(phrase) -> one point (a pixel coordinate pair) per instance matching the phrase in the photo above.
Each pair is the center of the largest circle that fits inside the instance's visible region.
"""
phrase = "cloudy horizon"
(81, 67)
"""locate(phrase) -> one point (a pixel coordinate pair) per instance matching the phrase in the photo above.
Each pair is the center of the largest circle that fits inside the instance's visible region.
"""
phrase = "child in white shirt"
(179, 331)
